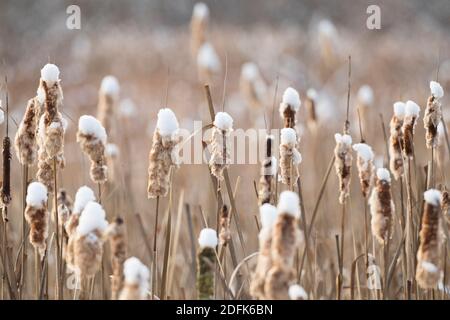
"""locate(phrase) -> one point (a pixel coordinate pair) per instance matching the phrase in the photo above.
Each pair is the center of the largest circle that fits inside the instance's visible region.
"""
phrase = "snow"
(40, 95)
(167, 123)
(136, 272)
(250, 71)
(127, 109)
(110, 85)
(383, 174)
(365, 95)
(364, 151)
(201, 10)
(223, 121)
(432, 196)
(399, 109)
(412, 109)
(36, 195)
(312, 94)
(288, 136)
(291, 98)
(92, 218)
(268, 214)
(297, 157)
(289, 204)
(2, 115)
(112, 150)
(208, 238)
(429, 267)
(343, 138)
(50, 73)
(327, 28)
(436, 89)
(89, 125)
(296, 292)
(83, 196)
(207, 58)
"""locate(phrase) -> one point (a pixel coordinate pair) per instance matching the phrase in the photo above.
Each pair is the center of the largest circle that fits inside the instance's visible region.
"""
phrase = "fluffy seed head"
(412, 108)
(291, 98)
(399, 109)
(167, 123)
(89, 125)
(436, 89)
(50, 73)
(268, 214)
(288, 136)
(364, 151)
(36, 195)
(136, 272)
(432, 196)
(92, 218)
(383, 174)
(289, 204)
(223, 121)
(208, 238)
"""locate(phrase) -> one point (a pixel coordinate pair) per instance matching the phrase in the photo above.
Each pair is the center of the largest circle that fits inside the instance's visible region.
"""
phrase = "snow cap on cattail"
(83, 196)
(432, 196)
(136, 273)
(36, 195)
(312, 94)
(288, 136)
(436, 90)
(110, 86)
(250, 71)
(399, 109)
(50, 73)
(365, 95)
(92, 218)
(208, 238)
(208, 59)
(201, 10)
(297, 292)
(289, 204)
(2, 114)
(291, 98)
(127, 108)
(167, 123)
(268, 214)
(412, 109)
(89, 125)
(383, 174)
(364, 151)
(343, 138)
(223, 121)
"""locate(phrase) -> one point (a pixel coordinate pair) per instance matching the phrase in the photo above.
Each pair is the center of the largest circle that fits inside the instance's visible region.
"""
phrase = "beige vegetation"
(355, 184)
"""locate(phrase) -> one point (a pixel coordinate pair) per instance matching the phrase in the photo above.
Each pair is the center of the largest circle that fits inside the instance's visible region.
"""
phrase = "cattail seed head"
(382, 206)
(311, 106)
(116, 233)
(92, 138)
(25, 140)
(364, 163)
(445, 205)
(268, 172)
(433, 115)
(206, 257)
(428, 255)
(137, 277)
(163, 154)
(65, 207)
(220, 144)
(343, 164)
(289, 107)
(290, 158)
(412, 111)
(208, 62)
(252, 85)
(225, 233)
(199, 25)
(297, 292)
(108, 98)
(395, 140)
(36, 215)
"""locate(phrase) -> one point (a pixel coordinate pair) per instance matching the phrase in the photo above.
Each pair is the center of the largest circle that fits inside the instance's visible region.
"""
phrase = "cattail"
(412, 111)
(83, 196)
(112, 152)
(364, 163)
(365, 104)
(428, 255)
(433, 114)
(164, 153)
(88, 244)
(268, 172)
(220, 153)
(92, 138)
(285, 240)
(199, 25)
(65, 207)
(6, 186)
(382, 206)
(289, 107)
(395, 140)
(225, 233)
(108, 98)
(445, 205)
(297, 292)
(137, 278)
(117, 237)
(25, 140)
(206, 257)
(268, 214)
(290, 158)
(311, 109)
(252, 85)
(51, 126)
(328, 42)
(208, 62)
(36, 215)
(343, 164)
(441, 151)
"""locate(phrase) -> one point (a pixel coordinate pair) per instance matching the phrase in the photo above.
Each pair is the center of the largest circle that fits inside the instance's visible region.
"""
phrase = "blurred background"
(146, 45)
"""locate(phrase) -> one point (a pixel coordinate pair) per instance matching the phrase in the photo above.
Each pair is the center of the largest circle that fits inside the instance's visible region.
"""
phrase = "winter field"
(225, 150)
